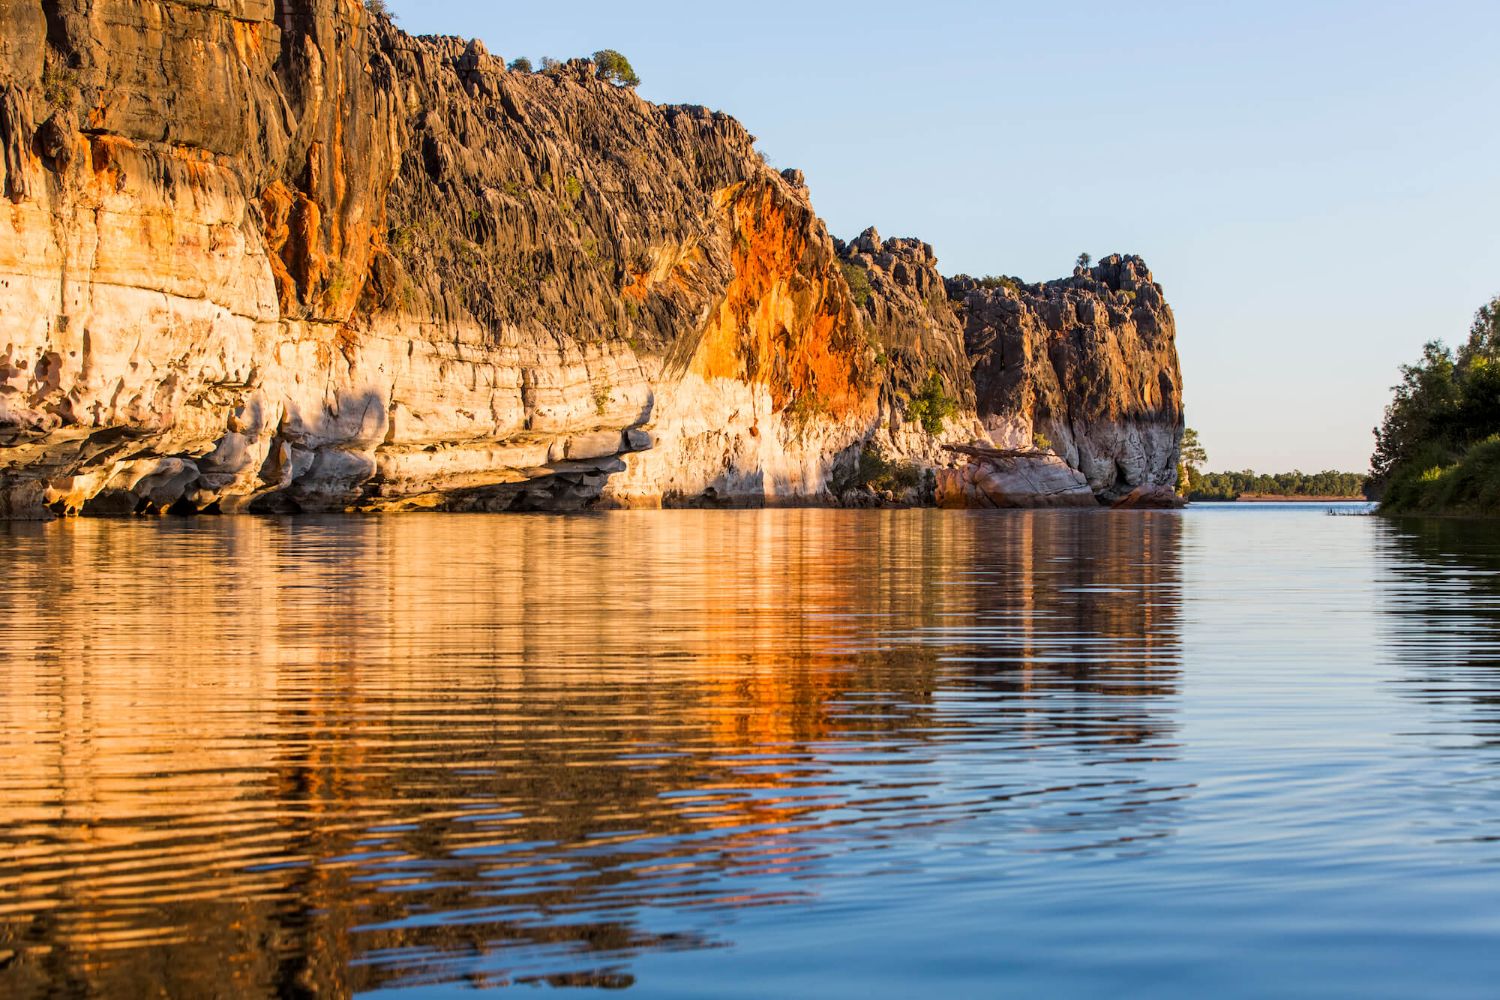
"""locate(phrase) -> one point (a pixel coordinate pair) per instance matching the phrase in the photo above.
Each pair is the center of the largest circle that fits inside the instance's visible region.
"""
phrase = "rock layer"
(282, 256)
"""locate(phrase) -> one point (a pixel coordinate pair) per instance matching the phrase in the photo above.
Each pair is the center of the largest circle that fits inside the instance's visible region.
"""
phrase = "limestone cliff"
(282, 256)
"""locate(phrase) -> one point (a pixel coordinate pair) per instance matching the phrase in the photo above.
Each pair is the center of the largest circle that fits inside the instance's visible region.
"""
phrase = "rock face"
(1089, 362)
(999, 478)
(282, 256)
(915, 329)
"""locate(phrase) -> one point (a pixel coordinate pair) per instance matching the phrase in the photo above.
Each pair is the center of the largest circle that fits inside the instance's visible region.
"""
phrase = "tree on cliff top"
(379, 8)
(614, 67)
(1084, 259)
(520, 64)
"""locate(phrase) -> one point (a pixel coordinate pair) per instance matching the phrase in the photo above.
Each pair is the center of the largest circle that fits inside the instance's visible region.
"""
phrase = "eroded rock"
(994, 477)
(285, 257)
(1088, 362)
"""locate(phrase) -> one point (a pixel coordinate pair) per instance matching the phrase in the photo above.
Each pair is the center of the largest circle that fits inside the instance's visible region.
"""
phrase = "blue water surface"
(1233, 751)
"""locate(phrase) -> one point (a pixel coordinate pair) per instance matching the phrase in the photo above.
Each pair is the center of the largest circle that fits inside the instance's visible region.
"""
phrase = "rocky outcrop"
(282, 256)
(1150, 498)
(1088, 363)
(996, 477)
(915, 330)
(287, 257)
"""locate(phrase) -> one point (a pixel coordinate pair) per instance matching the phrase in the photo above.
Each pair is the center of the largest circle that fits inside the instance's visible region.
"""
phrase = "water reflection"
(255, 758)
(1444, 624)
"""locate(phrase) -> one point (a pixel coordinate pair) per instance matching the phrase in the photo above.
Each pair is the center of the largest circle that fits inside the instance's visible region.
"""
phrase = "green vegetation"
(1196, 484)
(859, 282)
(604, 394)
(1233, 485)
(379, 8)
(804, 409)
(931, 406)
(1191, 458)
(992, 281)
(1436, 450)
(1084, 260)
(1041, 442)
(1471, 485)
(878, 473)
(612, 66)
(520, 64)
(60, 84)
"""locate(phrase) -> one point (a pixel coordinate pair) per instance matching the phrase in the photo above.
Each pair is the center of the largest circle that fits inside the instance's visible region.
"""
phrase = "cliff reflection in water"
(252, 757)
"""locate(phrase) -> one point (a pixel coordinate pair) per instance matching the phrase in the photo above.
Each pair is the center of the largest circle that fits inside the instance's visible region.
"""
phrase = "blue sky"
(1315, 184)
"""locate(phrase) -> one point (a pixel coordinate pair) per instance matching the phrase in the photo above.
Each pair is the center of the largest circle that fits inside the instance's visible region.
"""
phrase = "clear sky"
(1315, 184)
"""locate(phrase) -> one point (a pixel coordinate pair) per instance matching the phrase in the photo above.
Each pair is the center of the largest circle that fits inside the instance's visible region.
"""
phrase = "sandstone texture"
(1087, 362)
(284, 257)
(1006, 478)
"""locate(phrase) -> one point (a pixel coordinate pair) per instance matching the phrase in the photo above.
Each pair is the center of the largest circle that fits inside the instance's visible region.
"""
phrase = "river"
(1237, 750)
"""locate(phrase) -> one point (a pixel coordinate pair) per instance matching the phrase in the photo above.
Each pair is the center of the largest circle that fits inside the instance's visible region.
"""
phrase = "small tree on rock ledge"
(1192, 457)
(614, 67)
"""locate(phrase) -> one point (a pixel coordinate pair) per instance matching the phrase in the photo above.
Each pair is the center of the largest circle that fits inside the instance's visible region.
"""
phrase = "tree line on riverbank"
(1233, 485)
(1195, 484)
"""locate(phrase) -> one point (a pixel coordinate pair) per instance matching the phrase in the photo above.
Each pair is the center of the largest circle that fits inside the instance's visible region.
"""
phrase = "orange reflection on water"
(261, 756)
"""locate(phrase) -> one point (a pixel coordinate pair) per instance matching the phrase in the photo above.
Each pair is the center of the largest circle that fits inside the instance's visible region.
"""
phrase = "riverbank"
(1469, 487)
(1285, 498)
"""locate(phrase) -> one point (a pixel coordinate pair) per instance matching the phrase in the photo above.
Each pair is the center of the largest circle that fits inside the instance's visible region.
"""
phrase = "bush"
(931, 406)
(379, 8)
(877, 473)
(994, 281)
(60, 85)
(603, 396)
(612, 66)
(520, 64)
(858, 280)
(1469, 486)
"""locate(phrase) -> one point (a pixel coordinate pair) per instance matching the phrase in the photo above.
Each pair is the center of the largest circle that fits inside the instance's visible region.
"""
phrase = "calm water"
(1225, 752)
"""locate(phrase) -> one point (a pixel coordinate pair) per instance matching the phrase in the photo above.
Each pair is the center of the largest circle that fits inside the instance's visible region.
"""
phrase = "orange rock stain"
(785, 320)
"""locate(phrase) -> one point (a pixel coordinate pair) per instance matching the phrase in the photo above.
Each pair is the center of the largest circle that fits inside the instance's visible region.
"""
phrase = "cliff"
(1086, 365)
(282, 256)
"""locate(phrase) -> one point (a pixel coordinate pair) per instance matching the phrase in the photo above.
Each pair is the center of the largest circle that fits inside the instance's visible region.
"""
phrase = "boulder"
(996, 478)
